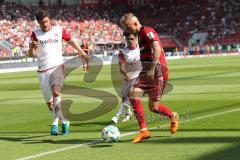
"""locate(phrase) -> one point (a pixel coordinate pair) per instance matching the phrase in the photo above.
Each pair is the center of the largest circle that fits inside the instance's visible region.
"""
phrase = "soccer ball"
(110, 134)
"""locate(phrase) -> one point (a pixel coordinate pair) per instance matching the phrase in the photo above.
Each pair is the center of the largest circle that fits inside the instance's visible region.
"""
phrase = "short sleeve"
(121, 58)
(33, 37)
(65, 35)
(150, 35)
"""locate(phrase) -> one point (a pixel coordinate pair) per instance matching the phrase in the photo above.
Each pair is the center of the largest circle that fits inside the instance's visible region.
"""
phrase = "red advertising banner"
(168, 42)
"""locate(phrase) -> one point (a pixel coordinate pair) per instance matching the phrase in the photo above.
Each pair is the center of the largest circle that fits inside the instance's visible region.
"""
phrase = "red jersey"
(85, 48)
(146, 37)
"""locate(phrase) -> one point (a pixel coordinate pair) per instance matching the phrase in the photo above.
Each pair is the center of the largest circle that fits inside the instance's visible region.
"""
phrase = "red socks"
(140, 115)
(139, 112)
(164, 110)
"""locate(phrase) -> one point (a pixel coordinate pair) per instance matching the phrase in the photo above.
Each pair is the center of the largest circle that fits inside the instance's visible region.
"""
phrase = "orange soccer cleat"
(145, 134)
(174, 123)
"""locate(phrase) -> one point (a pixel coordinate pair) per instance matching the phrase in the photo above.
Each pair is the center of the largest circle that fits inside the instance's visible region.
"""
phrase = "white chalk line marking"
(122, 135)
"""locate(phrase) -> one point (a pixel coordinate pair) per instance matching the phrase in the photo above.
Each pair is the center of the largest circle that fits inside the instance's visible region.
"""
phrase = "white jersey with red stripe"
(131, 59)
(49, 50)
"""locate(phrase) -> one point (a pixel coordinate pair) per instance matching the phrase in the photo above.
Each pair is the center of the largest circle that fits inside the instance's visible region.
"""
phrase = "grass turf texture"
(202, 86)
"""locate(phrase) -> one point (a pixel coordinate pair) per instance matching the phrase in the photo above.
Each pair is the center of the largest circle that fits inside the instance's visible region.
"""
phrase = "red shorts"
(154, 88)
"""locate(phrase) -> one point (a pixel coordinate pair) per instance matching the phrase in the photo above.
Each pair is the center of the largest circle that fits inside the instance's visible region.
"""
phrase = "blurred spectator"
(17, 23)
(219, 18)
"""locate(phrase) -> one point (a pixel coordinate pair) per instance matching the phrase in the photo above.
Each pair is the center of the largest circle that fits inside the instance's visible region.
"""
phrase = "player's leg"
(85, 66)
(57, 102)
(136, 102)
(125, 109)
(46, 89)
(129, 90)
(119, 113)
(122, 108)
(50, 105)
(128, 112)
(44, 78)
(155, 95)
(56, 83)
(159, 108)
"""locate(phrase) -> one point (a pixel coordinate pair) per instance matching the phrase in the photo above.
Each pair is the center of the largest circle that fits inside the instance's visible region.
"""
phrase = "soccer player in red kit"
(152, 78)
(85, 48)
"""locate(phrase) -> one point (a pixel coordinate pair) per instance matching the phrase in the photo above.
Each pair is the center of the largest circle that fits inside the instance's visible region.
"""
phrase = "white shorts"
(47, 79)
(126, 86)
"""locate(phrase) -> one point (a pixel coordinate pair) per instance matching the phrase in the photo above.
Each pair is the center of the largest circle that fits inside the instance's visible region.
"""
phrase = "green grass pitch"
(207, 90)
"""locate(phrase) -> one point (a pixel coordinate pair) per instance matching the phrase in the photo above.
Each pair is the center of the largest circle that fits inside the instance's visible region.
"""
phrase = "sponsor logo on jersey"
(44, 42)
(150, 35)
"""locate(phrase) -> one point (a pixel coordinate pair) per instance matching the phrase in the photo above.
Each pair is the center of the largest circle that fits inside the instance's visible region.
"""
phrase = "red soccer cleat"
(174, 123)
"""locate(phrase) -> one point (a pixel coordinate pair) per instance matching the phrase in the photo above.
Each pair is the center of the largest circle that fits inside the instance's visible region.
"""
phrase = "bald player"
(153, 77)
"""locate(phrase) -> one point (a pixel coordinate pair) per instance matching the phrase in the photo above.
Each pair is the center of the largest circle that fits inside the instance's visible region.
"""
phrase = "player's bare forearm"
(156, 55)
(32, 46)
(74, 44)
(85, 50)
(31, 52)
(123, 71)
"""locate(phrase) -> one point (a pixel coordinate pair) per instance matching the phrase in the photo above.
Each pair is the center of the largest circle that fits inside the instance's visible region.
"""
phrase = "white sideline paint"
(123, 135)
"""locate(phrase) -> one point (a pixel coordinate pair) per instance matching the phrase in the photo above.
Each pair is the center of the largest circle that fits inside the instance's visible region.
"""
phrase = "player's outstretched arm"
(74, 44)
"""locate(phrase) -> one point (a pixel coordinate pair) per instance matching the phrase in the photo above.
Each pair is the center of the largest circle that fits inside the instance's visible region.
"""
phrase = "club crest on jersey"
(150, 35)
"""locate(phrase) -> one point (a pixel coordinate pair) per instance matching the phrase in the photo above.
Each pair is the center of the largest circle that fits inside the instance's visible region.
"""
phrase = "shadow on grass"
(93, 143)
(229, 153)
(100, 123)
(196, 140)
(20, 138)
(86, 141)
(151, 138)
(203, 130)
(102, 145)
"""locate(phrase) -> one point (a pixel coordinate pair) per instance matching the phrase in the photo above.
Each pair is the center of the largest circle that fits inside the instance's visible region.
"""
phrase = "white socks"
(121, 109)
(57, 111)
(125, 106)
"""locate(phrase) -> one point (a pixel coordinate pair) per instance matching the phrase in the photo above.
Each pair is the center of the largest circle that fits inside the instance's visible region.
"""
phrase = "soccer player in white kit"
(46, 44)
(130, 67)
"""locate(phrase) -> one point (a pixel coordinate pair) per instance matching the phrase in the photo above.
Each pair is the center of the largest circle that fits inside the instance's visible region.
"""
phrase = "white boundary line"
(123, 135)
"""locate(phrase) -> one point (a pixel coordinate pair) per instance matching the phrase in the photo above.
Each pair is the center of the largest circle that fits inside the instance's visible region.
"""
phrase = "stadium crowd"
(218, 18)
(17, 23)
